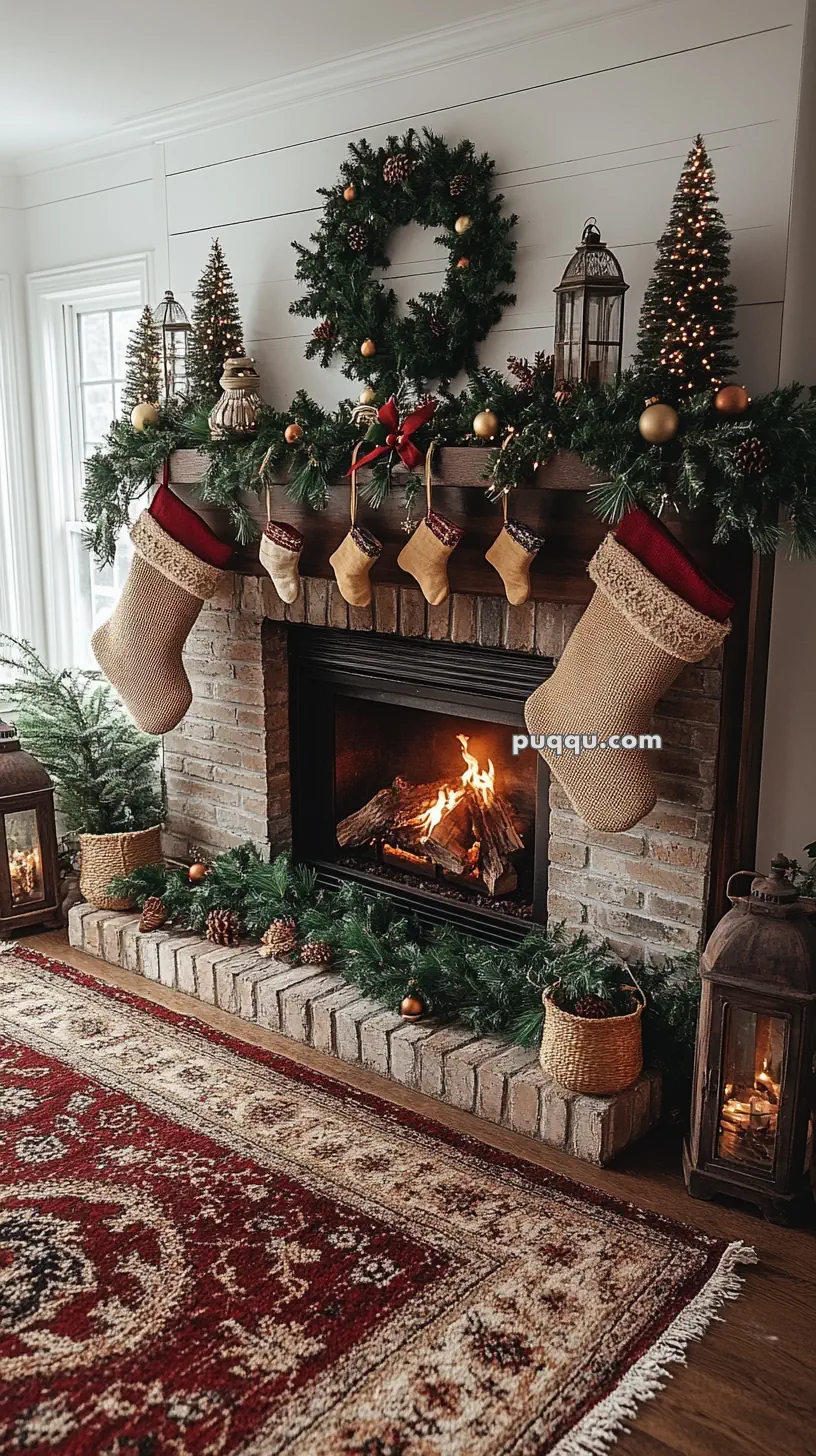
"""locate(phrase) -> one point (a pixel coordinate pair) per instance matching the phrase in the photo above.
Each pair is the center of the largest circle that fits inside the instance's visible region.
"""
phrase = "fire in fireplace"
(403, 775)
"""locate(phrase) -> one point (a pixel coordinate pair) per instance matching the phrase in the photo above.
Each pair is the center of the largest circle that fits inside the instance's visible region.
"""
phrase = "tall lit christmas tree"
(217, 332)
(687, 319)
(142, 364)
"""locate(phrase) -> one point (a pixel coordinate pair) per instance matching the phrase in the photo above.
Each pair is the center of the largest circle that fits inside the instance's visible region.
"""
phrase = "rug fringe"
(601, 1427)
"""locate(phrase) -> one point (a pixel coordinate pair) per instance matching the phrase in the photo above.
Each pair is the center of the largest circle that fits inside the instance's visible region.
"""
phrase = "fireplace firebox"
(403, 776)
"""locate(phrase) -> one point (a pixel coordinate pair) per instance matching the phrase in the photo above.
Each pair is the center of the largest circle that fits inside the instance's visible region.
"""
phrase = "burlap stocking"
(139, 648)
(357, 552)
(512, 554)
(279, 553)
(626, 650)
(425, 556)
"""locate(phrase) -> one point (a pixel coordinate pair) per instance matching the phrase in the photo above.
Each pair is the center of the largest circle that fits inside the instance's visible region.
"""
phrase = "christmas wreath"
(414, 178)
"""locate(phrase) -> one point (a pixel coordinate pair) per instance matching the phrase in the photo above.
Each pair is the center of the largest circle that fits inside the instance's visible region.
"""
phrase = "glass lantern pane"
(603, 337)
(752, 1087)
(24, 857)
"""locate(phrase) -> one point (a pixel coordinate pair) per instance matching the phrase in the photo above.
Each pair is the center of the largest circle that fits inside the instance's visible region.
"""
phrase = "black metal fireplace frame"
(443, 677)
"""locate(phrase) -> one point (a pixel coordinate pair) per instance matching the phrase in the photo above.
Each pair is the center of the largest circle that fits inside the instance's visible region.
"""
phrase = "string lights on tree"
(142, 365)
(217, 331)
(687, 320)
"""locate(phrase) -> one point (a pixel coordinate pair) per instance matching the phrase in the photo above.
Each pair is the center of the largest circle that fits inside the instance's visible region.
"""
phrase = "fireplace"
(403, 775)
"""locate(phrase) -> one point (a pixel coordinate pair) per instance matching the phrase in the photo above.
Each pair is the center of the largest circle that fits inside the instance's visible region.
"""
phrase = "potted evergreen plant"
(104, 770)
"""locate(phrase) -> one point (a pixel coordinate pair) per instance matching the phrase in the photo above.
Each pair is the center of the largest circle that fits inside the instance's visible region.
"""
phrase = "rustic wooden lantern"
(29, 874)
(753, 1077)
(174, 328)
(589, 313)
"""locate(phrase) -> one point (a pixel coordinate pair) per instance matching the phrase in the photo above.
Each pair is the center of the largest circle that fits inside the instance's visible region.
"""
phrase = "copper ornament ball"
(659, 423)
(197, 873)
(412, 1007)
(463, 263)
(486, 425)
(732, 399)
(463, 224)
(142, 415)
(293, 433)
(350, 192)
(368, 395)
(368, 348)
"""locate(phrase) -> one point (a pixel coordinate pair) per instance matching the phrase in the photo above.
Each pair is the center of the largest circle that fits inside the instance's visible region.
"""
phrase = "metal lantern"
(753, 1076)
(29, 873)
(589, 313)
(174, 327)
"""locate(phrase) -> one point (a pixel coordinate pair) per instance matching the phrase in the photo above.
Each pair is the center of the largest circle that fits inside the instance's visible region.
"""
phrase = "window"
(81, 319)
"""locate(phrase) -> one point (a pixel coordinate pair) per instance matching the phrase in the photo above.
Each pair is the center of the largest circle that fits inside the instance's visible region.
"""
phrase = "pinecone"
(397, 168)
(154, 913)
(751, 457)
(223, 927)
(436, 324)
(459, 184)
(593, 1008)
(357, 239)
(316, 953)
(279, 938)
(324, 332)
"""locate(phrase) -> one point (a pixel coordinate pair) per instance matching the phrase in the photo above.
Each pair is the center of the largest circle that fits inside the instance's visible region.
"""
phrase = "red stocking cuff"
(656, 548)
(187, 527)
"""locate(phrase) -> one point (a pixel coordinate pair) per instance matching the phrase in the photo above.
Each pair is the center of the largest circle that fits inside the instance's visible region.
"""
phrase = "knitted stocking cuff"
(284, 535)
(173, 560)
(523, 536)
(187, 528)
(652, 608)
(655, 546)
(445, 531)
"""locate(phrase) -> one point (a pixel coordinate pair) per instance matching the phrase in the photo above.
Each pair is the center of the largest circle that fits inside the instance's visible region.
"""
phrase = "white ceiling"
(71, 71)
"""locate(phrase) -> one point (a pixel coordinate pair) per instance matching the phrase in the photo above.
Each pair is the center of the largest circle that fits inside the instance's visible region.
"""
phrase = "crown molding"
(465, 41)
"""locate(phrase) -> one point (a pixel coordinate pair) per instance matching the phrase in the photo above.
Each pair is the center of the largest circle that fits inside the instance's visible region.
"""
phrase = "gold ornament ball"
(412, 1007)
(368, 348)
(486, 425)
(368, 395)
(732, 399)
(142, 415)
(659, 423)
(463, 224)
(196, 873)
(350, 192)
(463, 263)
(293, 433)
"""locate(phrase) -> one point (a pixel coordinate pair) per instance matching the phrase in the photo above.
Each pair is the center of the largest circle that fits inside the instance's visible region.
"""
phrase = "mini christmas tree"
(687, 320)
(217, 331)
(142, 364)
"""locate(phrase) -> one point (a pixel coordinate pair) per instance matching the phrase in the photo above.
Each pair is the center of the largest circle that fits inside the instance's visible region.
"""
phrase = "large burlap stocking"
(139, 648)
(626, 650)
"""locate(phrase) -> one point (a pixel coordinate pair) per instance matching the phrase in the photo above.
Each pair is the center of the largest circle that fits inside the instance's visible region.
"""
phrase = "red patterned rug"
(207, 1249)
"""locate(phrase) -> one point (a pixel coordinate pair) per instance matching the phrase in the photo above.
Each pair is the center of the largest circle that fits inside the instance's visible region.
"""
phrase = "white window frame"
(54, 298)
(20, 603)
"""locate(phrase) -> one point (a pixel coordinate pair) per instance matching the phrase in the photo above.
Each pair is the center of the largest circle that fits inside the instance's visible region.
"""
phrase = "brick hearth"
(228, 772)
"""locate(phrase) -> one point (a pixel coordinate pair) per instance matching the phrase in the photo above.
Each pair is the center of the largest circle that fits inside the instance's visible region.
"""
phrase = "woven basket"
(106, 855)
(598, 1057)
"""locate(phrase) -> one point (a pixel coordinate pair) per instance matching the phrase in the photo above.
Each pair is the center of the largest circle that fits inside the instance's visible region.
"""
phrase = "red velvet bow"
(399, 435)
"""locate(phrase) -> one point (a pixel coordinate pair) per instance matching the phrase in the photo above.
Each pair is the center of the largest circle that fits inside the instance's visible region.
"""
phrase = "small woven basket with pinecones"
(594, 1053)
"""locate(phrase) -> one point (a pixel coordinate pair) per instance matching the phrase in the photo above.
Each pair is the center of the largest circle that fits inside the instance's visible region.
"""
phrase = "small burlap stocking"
(279, 553)
(425, 556)
(627, 649)
(512, 554)
(177, 564)
(356, 554)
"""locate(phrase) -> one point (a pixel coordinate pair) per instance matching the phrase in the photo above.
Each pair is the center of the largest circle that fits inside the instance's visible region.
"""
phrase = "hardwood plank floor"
(749, 1388)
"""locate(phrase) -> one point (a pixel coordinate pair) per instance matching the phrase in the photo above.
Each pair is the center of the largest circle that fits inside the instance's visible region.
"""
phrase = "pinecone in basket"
(357, 238)
(397, 168)
(316, 953)
(459, 184)
(223, 927)
(324, 332)
(279, 938)
(154, 913)
(594, 1008)
(751, 457)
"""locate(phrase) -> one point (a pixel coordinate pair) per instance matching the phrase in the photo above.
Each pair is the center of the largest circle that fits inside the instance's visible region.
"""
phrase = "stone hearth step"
(485, 1075)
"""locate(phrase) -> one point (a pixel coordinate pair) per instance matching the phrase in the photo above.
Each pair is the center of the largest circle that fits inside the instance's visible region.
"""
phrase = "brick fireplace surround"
(227, 764)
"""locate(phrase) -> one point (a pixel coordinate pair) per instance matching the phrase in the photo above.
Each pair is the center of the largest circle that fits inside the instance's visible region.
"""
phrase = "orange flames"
(481, 781)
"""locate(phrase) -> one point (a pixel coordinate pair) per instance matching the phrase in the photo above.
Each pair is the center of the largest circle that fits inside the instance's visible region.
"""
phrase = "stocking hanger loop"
(429, 477)
(353, 473)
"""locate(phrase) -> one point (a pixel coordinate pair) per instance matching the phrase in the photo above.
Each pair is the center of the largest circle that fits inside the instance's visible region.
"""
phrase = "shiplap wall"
(594, 119)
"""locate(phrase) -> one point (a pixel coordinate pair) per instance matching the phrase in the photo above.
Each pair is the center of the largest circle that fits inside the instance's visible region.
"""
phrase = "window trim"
(20, 599)
(50, 294)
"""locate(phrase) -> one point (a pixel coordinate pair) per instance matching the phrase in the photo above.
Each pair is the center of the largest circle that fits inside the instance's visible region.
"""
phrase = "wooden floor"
(749, 1388)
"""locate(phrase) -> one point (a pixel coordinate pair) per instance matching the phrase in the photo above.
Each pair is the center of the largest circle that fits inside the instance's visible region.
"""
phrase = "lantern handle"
(739, 875)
